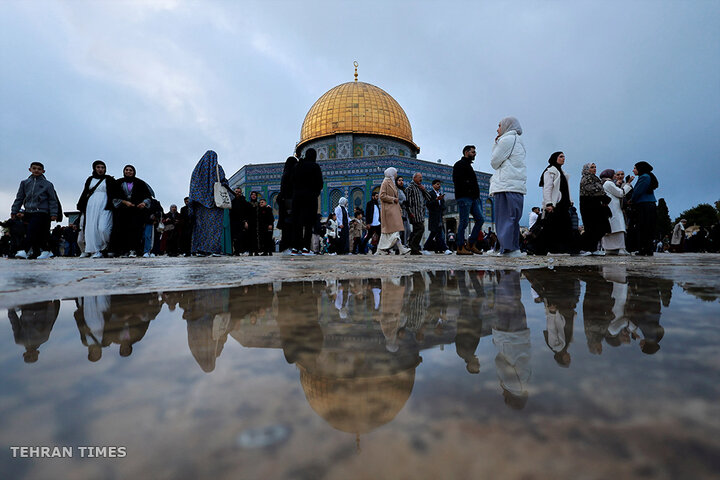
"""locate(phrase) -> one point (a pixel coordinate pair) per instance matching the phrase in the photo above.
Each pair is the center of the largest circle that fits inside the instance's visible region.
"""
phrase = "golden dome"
(357, 405)
(356, 107)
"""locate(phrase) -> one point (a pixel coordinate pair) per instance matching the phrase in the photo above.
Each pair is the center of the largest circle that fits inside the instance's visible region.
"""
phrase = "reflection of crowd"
(360, 327)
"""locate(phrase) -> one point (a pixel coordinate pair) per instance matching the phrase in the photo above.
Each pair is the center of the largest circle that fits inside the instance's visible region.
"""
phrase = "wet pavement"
(512, 370)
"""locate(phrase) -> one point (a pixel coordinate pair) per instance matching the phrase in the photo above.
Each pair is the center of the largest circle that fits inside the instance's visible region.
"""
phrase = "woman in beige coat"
(391, 223)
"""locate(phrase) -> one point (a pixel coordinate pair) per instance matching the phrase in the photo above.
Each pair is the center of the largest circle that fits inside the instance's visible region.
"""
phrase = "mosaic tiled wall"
(355, 146)
(355, 178)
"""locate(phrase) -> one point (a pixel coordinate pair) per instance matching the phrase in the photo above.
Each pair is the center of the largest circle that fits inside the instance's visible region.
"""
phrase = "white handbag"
(222, 196)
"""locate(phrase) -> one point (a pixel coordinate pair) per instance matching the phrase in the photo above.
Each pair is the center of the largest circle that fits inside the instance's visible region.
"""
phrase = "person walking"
(265, 220)
(467, 196)
(644, 208)
(417, 196)
(284, 202)
(391, 216)
(556, 236)
(356, 232)
(41, 204)
(593, 211)
(508, 185)
(372, 214)
(95, 206)
(307, 188)
(436, 207)
(400, 184)
(130, 197)
(677, 242)
(343, 225)
(208, 229)
(239, 222)
(170, 239)
(614, 242)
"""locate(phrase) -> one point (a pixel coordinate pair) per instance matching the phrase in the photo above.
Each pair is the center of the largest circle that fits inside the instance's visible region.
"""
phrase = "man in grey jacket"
(41, 203)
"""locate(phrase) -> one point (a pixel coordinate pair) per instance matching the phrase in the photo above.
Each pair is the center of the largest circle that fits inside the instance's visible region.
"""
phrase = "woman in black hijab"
(131, 196)
(557, 228)
(644, 210)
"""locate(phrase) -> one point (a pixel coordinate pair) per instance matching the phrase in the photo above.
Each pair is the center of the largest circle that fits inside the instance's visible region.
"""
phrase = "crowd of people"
(122, 217)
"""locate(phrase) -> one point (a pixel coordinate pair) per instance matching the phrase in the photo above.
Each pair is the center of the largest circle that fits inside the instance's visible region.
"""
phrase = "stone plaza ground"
(23, 281)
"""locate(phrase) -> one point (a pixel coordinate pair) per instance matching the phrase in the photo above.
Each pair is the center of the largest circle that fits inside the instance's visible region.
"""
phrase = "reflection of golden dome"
(356, 107)
(357, 405)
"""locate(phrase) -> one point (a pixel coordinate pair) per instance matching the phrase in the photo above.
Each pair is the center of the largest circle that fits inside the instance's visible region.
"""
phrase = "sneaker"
(21, 254)
(44, 255)
(132, 254)
(514, 254)
(146, 255)
(97, 255)
(307, 252)
(623, 252)
(425, 252)
(152, 255)
(85, 255)
(448, 252)
(599, 253)
(294, 252)
(583, 253)
(405, 250)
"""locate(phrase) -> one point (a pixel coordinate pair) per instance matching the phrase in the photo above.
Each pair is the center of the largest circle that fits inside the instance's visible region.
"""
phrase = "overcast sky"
(157, 83)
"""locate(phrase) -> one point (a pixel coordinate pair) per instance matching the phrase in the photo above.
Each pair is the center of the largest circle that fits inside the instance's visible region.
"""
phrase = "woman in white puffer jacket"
(614, 242)
(508, 184)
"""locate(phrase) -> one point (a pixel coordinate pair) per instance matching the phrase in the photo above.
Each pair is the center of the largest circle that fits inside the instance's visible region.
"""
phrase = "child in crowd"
(41, 203)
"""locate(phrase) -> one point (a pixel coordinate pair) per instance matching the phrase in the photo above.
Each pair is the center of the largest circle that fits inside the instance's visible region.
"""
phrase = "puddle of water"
(566, 371)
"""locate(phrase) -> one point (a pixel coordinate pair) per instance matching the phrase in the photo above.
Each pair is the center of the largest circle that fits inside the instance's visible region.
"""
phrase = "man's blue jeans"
(466, 207)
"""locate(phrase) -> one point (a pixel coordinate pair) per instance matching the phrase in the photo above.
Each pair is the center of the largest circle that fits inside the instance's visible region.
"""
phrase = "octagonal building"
(358, 130)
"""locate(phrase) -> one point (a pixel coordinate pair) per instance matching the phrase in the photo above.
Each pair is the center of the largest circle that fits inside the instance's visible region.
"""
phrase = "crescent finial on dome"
(356, 65)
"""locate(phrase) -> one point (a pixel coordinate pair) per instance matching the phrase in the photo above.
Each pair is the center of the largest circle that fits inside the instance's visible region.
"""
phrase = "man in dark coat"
(436, 208)
(308, 185)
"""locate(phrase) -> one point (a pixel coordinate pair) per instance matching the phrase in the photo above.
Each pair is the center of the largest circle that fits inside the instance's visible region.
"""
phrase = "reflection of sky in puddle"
(563, 370)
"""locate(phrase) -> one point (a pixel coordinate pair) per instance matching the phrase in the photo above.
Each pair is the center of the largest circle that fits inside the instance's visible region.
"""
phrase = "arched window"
(335, 198)
(488, 211)
(273, 204)
(357, 199)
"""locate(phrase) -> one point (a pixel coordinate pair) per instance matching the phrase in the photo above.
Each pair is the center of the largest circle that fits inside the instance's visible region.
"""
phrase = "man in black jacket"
(436, 208)
(308, 185)
(467, 195)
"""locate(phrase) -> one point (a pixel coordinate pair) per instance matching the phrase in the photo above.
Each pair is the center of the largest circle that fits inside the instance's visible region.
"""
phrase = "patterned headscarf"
(203, 178)
(590, 185)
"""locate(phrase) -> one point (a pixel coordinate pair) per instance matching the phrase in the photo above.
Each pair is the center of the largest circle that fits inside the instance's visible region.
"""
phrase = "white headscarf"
(342, 202)
(391, 172)
(510, 123)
